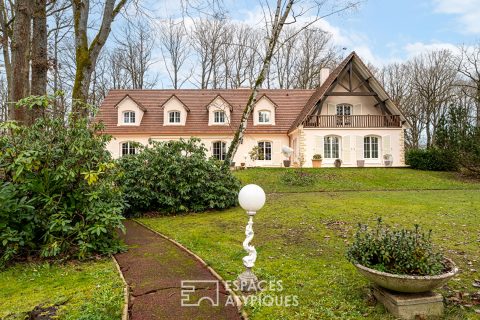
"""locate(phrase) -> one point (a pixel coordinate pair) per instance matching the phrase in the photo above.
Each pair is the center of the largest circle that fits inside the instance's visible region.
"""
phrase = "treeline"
(430, 86)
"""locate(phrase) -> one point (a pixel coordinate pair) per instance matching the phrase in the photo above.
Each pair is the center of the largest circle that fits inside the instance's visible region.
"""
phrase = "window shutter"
(332, 109)
(359, 147)
(319, 145)
(346, 151)
(357, 109)
(386, 145)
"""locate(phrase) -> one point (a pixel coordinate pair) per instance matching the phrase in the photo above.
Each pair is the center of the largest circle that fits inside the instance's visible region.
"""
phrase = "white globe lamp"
(251, 198)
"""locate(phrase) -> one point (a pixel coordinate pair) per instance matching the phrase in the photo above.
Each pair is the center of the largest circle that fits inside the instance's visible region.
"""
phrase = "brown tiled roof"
(320, 91)
(289, 104)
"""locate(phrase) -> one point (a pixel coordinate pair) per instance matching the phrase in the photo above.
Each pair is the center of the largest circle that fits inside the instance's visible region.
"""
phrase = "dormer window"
(264, 116)
(128, 117)
(174, 117)
(219, 116)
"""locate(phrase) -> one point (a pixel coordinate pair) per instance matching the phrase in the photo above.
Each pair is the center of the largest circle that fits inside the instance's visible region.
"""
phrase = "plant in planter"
(387, 160)
(287, 152)
(317, 160)
(338, 163)
(400, 260)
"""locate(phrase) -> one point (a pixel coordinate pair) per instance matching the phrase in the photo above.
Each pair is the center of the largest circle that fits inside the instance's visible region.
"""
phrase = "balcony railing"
(367, 121)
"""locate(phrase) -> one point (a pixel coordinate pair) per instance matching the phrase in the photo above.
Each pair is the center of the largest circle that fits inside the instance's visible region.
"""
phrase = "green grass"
(334, 179)
(301, 237)
(87, 290)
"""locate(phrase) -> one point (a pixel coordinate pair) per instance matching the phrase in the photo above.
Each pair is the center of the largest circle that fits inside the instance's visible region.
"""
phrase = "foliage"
(401, 251)
(176, 176)
(256, 154)
(433, 159)
(57, 193)
(460, 138)
(317, 156)
(297, 178)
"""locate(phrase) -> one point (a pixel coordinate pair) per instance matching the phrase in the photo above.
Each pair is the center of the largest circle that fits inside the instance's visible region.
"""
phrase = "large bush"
(57, 193)
(176, 176)
(433, 159)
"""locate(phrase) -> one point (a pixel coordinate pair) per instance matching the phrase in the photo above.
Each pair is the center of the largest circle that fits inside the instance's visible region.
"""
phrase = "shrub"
(431, 159)
(409, 252)
(297, 178)
(57, 194)
(176, 176)
(317, 156)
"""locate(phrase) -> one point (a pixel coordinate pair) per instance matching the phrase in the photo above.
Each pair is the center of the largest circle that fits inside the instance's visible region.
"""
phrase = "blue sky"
(383, 31)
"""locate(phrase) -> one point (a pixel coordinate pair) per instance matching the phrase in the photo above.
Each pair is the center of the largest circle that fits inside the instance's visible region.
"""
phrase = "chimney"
(324, 73)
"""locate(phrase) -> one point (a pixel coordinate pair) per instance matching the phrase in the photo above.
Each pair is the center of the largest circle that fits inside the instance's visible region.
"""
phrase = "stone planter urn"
(406, 283)
(286, 163)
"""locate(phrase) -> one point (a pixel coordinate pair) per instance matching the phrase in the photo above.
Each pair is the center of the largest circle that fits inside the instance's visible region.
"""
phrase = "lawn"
(301, 235)
(87, 290)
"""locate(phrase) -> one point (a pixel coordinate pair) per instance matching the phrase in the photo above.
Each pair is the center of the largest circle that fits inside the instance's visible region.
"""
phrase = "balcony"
(367, 121)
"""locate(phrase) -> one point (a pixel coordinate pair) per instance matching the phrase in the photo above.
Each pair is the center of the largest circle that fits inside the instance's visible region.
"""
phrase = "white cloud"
(468, 12)
(416, 48)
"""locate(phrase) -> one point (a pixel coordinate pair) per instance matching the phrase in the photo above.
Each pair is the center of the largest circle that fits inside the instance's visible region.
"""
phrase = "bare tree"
(285, 59)
(433, 78)
(314, 53)
(135, 51)
(207, 41)
(469, 68)
(175, 49)
(6, 19)
(397, 80)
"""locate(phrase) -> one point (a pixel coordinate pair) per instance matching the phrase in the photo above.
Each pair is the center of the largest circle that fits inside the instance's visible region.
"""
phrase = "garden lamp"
(251, 198)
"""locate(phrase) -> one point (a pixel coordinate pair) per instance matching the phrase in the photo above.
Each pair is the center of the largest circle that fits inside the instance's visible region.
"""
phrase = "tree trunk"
(20, 56)
(277, 26)
(86, 55)
(6, 35)
(39, 49)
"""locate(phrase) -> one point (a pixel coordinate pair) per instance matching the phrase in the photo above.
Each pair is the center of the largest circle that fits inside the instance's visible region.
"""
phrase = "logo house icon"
(191, 296)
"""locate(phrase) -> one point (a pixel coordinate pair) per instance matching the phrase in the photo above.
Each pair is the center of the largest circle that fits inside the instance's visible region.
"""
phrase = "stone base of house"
(410, 305)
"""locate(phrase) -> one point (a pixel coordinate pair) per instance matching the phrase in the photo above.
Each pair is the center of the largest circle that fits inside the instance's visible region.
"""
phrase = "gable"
(351, 78)
(128, 104)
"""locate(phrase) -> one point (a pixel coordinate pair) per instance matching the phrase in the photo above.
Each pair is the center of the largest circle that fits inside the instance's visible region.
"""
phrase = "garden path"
(154, 268)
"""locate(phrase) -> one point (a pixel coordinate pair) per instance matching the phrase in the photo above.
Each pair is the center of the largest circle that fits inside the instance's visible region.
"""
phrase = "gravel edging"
(238, 301)
(126, 291)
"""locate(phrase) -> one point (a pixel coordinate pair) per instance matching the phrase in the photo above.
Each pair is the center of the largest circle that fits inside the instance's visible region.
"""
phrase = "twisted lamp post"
(251, 198)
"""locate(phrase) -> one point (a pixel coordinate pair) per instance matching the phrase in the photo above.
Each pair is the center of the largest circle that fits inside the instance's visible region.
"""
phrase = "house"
(348, 117)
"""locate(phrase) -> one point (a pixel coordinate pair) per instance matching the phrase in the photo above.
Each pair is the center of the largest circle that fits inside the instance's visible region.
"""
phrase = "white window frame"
(368, 152)
(264, 149)
(129, 148)
(328, 151)
(128, 115)
(221, 116)
(342, 107)
(261, 119)
(174, 117)
(222, 149)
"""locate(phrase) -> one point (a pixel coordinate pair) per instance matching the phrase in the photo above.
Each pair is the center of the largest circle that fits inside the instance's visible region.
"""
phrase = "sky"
(380, 31)
(384, 31)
